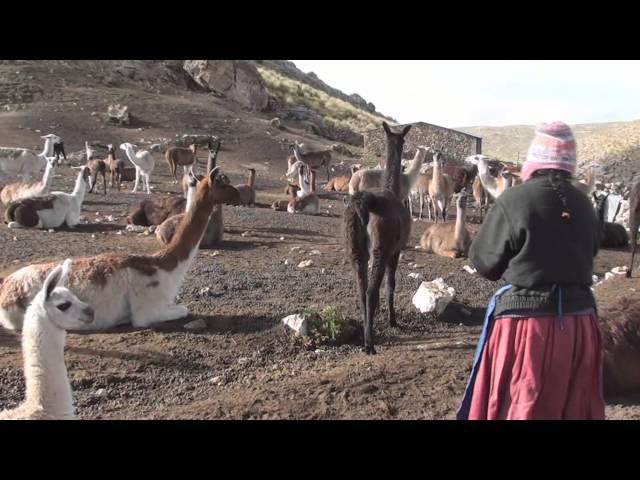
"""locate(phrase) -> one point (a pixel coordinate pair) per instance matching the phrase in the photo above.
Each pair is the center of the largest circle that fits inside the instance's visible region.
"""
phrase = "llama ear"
(385, 125)
(56, 277)
(213, 173)
(405, 130)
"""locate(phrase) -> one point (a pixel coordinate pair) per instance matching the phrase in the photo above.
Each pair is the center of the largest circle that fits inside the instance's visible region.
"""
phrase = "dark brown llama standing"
(634, 222)
(377, 226)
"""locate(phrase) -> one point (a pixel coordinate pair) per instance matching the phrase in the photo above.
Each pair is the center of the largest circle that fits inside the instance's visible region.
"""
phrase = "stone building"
(455, 145)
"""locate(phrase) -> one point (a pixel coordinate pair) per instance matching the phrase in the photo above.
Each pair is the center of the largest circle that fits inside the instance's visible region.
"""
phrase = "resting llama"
(53, 310)
(25, 162)
(124, 289)
(50, 211)
(18, 190)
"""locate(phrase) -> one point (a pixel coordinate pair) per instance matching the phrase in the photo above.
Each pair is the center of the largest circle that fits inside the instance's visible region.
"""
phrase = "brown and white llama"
(97, 167)
(18, 190)
(121, 288)
(448, 239)
(118, 169)
(180, 156)
(377, 226)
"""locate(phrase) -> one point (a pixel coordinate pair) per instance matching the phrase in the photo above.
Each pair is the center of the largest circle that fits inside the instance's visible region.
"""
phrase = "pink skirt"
(535, 369)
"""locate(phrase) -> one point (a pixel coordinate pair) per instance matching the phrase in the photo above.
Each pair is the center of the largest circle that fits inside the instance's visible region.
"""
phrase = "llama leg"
(392, 265)
(373, 297)
(164, 314)
(104, 180)
(135, 185)
(634, 244)
(146, 181)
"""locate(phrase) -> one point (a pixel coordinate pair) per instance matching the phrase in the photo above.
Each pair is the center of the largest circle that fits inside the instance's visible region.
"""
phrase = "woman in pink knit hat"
(540, 352)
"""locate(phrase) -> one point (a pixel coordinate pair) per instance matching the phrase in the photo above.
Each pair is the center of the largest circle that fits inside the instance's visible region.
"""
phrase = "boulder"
(433, 296)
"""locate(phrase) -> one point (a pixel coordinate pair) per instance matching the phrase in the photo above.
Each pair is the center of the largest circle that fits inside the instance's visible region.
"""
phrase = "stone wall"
(455, 145)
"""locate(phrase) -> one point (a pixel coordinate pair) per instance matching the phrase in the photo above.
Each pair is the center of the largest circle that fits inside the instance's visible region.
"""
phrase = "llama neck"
(79, 188)
(416, 163)
(47, 151)
(88, 150)
(45, 372)
(437, 170)
(297, 153)
(460, 223)
(252, 178)
(191, 198)
(393, 167)
(304, 185)
(47, 178)
(131, 155)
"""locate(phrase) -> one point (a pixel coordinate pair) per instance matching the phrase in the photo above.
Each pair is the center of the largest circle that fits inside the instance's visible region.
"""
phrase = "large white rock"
(433, 296)
(296, 322)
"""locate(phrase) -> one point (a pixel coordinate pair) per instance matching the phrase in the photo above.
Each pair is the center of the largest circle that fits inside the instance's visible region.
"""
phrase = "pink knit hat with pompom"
(553, 147)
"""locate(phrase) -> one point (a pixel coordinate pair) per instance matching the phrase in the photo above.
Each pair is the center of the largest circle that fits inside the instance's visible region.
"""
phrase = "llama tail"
(363, 203)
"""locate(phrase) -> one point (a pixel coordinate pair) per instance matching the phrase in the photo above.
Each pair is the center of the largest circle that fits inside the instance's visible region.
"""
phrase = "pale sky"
(463, 93)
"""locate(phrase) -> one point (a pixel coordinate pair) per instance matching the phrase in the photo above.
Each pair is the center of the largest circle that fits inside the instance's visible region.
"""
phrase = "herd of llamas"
(45, 300)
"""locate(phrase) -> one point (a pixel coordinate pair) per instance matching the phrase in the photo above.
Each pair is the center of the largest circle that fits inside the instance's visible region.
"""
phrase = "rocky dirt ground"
(244, 364)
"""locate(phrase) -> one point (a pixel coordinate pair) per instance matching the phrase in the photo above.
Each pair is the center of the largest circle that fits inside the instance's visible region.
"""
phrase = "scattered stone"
(101, 392)
(324, 270)
(297, 323)
(315, 252)
(433, 296)
(305, 263)
(295, 249)
(244, 234)
(51, 230)
(281, 238)
(135, 228)
(204, 291)
(243, 360)
(469, 269)
(415, 275)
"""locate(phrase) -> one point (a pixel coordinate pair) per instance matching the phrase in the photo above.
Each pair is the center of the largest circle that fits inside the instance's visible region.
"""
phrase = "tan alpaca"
(447, 239)
(341, 183)
(440, 189)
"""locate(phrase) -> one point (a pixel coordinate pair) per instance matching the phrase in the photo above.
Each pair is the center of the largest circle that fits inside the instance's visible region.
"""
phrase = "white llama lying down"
(53, 311)
(50, 211)
(121, 288)
(18, 190)
(144, 163)
(25, 162)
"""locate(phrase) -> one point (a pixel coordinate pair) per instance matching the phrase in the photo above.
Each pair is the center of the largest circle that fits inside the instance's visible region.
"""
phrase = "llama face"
(62, 307)
(126, 146)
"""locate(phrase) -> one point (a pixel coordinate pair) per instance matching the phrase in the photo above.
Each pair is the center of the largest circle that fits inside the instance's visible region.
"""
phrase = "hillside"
(615, 145)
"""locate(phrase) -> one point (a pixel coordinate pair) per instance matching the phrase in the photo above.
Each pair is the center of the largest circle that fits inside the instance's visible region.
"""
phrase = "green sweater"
(525, 241)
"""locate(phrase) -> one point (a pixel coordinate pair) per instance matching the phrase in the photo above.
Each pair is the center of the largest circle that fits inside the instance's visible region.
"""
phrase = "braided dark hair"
(558, 179)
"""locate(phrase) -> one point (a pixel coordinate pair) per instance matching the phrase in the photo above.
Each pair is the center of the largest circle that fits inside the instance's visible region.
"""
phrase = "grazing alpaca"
(144, 163)
(308, 202)
(180, 156)
(167, 229)
(18, 190)
(341, 183)
(613, 235)
(634, 222)
(53, 310)
(372, 179)
(315, 160)
(447, 239)
(123, 288)
(50, 211)
(440, 188)
(247, 191)
(620, 327)
(25, 162)
(377, 225)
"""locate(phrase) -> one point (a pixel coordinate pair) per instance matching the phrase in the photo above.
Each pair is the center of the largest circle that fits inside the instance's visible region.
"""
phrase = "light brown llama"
(440, 188)
(377, 226)
(180, 156)
(448, 239)
(341, 183)
(97, 167)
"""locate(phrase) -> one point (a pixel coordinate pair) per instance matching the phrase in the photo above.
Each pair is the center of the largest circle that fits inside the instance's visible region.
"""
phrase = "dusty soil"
(245, 364)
